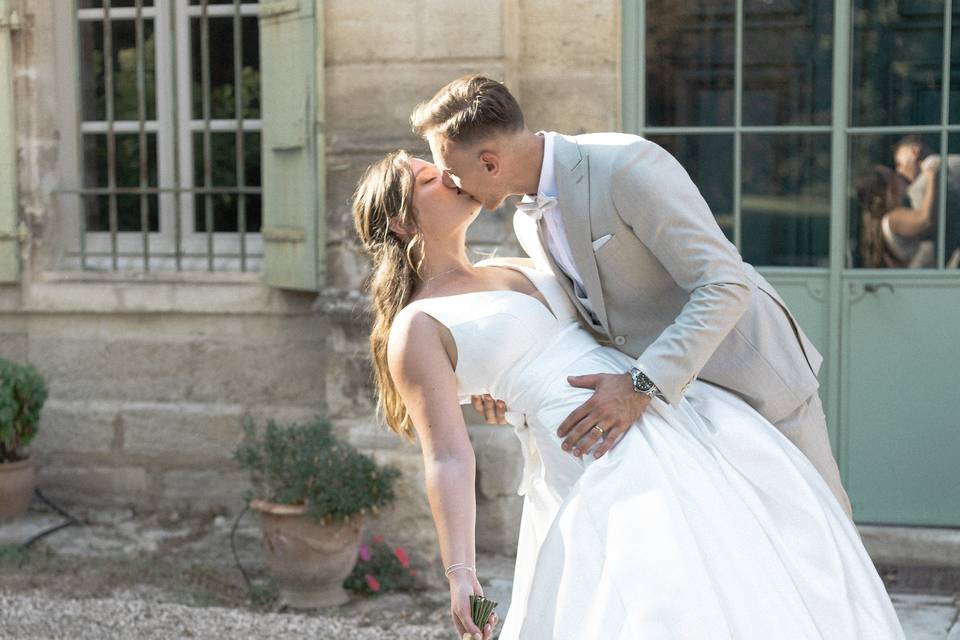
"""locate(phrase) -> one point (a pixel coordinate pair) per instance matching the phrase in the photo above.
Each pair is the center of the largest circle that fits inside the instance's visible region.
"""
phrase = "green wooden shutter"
(9, 250)
(291, 76)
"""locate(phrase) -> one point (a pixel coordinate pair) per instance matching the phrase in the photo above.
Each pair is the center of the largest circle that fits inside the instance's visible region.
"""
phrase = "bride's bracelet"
(459, 565)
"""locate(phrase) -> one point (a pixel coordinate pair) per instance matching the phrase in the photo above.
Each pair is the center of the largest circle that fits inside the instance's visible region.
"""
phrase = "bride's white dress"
(703, 522)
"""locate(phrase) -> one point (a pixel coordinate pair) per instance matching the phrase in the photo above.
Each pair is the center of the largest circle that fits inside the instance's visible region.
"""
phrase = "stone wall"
(151, 376)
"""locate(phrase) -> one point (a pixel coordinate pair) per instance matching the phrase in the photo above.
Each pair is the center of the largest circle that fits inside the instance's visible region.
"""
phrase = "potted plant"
(312, 492)
(22, 394)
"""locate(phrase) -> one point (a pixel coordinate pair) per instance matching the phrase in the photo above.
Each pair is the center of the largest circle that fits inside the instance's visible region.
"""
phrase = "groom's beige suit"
(664, 285)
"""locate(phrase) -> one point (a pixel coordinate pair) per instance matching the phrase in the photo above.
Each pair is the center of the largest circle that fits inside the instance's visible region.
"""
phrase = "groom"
(639, 253)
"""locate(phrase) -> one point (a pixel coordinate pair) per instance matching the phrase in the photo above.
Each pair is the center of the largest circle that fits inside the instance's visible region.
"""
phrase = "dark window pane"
(127, 164)
(787, 62)
(709, 161)
(955, 65)
(225, 206)
(92, 70)
(897, 62)
(690, 62)
(222, 101)
(785, 200)
(128, 212)
(877, 189)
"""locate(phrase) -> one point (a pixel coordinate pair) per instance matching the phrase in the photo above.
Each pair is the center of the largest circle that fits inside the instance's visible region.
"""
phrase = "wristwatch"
(643, 384)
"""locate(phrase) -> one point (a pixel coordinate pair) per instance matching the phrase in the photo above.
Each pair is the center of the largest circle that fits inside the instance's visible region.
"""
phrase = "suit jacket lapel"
(573, 187)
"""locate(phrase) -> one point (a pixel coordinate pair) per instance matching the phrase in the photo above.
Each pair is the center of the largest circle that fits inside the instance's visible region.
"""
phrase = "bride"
(703, 523)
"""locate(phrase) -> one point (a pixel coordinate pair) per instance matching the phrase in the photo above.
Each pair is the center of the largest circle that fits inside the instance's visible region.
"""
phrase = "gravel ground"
(40, 616)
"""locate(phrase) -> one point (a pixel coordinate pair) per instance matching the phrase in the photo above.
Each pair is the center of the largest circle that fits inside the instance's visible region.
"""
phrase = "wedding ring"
(597, 427)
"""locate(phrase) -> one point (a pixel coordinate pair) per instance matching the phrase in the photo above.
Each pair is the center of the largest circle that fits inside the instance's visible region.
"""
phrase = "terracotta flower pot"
(309, 560)
(16, 488)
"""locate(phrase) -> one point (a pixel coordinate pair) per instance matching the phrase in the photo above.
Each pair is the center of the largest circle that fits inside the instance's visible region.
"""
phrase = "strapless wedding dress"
(704, 522)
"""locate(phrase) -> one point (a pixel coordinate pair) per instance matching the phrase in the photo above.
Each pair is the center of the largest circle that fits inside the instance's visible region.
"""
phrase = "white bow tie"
(535, 208)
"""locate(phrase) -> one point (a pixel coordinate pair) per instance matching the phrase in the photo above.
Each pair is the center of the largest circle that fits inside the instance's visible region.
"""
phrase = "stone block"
(499, 460)
(572, 36)
(76, 426)
(464, 29)
(498, 524)
(112, 369)
(571, 103)
(350, 392)
(94, 484)
(13, 336)
(372, 102)
(369, 30)
(254, 372)
(174, 431)
(205, 488)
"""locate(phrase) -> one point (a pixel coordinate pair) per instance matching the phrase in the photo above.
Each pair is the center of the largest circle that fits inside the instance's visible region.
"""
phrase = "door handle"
(873, 288)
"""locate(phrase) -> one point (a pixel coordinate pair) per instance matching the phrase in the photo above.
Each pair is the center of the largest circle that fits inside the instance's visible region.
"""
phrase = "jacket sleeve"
(654, 195)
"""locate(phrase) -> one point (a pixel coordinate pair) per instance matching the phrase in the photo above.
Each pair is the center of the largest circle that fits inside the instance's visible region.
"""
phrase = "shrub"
(306, 464)
(22, 394)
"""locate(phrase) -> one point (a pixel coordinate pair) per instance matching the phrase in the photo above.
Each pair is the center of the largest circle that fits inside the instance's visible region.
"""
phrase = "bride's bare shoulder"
(414, 331)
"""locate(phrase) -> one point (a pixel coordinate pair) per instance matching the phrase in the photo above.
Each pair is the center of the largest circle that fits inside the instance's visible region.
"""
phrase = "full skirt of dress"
(704, 522)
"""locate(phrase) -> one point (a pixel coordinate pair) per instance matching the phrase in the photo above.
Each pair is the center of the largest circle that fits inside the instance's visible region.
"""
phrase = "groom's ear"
(491, 162)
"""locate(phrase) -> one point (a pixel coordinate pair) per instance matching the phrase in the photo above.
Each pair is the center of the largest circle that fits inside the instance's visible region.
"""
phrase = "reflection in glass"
(892, 223)
(690, 50)
(92, 70)
(896, 62)
(785, 200)
(787, 62)
(955, 65)
(709, 161)
(951, 254)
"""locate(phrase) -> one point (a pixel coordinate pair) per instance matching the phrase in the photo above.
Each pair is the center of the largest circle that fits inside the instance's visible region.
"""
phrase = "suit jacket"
(918, 188)
(666, 285)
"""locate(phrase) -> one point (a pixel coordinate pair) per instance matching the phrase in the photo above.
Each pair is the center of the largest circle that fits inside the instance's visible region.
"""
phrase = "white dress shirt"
(556, 233)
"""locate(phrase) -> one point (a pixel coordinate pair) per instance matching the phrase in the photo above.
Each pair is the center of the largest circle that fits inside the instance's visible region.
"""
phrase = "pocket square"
(602, 240)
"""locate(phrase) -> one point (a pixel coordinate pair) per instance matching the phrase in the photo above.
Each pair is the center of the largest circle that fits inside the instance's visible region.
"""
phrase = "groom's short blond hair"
(468, 109)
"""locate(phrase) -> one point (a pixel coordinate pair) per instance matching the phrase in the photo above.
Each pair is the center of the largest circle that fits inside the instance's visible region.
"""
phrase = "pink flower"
(364, 553)
(372, 582)
(402, 557)
(413, 572)
(377, 539)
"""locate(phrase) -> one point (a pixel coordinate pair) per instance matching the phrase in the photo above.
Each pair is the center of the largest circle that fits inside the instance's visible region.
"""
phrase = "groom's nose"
(451, 181)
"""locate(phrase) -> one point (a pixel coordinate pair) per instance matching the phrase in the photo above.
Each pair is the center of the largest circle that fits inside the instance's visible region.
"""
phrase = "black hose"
(233, 548)
(70, 520)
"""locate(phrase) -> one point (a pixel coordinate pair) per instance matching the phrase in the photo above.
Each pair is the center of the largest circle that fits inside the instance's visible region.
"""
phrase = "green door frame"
(829, 283)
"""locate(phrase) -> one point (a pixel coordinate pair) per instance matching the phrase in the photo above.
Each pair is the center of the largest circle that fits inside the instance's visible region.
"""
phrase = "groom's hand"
(614, 406)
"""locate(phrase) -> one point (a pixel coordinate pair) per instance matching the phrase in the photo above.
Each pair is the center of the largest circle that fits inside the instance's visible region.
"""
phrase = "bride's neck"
(439, 262)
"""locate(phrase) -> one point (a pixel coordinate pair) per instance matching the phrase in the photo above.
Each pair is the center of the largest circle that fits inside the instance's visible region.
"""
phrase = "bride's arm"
(911, 223)
(422, 370)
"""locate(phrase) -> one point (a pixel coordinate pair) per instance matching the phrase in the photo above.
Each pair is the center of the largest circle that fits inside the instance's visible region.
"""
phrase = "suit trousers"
(806, 428)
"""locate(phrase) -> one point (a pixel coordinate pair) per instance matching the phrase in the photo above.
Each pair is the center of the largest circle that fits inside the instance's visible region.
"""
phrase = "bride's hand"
(493, 411)
(461, 588)
(614, 407)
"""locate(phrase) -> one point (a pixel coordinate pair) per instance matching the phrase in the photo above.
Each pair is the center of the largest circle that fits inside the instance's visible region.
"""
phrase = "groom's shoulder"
(612, 145)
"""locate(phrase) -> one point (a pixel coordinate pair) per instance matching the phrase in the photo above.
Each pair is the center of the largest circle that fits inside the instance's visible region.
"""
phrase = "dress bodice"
(512, 346)
(505, 338)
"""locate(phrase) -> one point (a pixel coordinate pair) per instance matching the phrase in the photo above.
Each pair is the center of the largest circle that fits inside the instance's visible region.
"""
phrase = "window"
(745, 93)
(904, 96)
(167, 123)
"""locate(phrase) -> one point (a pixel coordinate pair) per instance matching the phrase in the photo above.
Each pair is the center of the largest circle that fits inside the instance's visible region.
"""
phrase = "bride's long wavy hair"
(384, 195)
